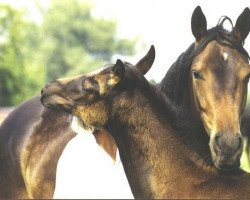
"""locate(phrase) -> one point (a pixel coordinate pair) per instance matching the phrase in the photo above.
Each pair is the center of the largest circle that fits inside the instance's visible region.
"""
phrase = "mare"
(32, 139)
(209, 83)
(159, 161)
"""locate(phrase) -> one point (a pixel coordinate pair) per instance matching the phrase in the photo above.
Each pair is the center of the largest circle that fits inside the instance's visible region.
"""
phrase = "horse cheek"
(95, 115)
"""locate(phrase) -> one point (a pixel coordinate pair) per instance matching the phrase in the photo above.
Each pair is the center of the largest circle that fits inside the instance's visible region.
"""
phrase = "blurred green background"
(68, 41)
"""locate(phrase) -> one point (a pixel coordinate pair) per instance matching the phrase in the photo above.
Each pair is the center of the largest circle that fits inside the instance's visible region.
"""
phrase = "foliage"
(69, 41)
(15, 76)
(76, 42)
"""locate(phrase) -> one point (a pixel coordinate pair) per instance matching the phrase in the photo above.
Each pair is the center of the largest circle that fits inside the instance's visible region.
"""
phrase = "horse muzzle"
(226, 150)
(51, 99)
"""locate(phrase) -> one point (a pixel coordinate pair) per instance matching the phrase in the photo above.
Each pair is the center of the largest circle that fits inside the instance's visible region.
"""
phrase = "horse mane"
(175, 84)
(186, 129)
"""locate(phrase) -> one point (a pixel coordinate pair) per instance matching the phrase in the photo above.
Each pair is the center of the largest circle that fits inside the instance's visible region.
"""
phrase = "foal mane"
(161, 103)
(185, 128)
(176, 82)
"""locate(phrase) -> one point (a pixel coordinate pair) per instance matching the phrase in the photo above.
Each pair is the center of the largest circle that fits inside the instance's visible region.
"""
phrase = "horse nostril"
(228, 142)
(217, 139)
(240, 142)
(42, 91)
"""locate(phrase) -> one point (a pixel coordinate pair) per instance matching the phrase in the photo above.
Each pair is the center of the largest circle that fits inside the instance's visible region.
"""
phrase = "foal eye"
(90, 86)
(86, 90)
(197, 75)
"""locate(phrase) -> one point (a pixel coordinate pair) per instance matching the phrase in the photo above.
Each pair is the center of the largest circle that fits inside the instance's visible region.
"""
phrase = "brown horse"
(209, 82)
(159, 162)
(175, 81)
(32, 139)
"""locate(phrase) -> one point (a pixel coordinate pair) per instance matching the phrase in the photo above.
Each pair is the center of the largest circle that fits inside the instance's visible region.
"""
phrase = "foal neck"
(152, 155)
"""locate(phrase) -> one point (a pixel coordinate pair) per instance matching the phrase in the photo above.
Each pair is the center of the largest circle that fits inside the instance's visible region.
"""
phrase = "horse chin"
(59, 108)
(79, 126)
(58, 103)
(225, 167)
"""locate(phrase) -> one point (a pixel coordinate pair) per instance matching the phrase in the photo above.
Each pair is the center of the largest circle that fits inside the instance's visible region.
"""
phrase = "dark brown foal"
(159, 162)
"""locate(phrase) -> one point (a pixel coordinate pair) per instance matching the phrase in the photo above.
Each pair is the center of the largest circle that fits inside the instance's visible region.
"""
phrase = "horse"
(79, 175)
(209, 82)
(32, 139)
(32, 106)
(159, 161)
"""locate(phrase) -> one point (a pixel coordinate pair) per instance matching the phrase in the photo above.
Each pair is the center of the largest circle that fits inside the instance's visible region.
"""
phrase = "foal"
(32, 139)
(159, 162)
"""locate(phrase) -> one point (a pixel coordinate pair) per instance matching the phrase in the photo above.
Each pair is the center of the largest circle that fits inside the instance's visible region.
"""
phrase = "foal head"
(87, 96)
(219, 78)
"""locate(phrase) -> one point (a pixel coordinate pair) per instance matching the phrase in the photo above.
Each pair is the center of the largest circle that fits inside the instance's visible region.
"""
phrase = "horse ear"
(147, 61)
(242, 26)
(117, 73)
(198, 24)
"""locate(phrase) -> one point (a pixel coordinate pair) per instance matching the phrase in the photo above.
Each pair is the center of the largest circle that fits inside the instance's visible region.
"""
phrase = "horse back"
(32, 139)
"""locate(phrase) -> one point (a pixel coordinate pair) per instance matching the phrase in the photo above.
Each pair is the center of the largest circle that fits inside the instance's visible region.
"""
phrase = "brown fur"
(223, 93)
(209, 83)
(159, 162)
(32, 139)
(97, 118)
(106, 141)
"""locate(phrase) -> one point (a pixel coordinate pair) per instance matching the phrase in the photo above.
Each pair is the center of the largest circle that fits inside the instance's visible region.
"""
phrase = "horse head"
(219, 77)
(85, 96)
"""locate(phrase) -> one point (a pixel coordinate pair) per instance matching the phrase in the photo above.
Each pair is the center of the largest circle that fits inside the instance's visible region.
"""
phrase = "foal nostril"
(42, 91)
(44, 88)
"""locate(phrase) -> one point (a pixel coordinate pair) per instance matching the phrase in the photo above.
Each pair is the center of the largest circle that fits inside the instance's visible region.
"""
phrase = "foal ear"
(147, 61)
(242, 26)
(198, 24)
(117, 73)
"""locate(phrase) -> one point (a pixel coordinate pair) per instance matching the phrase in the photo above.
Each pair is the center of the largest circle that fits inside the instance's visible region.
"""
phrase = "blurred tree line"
(69, 41)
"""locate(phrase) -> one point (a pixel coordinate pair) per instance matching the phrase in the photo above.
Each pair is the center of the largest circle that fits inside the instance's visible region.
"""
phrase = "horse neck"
(186, 123)
(47, 139)
(176, 85)
(148, 146)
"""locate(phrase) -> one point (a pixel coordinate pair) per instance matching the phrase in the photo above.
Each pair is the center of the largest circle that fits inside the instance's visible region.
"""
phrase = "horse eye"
(197, 75)
(86, 90)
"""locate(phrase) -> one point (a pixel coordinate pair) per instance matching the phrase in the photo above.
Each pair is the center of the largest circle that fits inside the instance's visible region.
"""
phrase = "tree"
(69, 41)
(76, 42)
(14, 75)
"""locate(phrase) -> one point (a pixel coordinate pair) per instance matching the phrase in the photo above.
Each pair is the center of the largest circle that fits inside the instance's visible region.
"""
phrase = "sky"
(165, 24)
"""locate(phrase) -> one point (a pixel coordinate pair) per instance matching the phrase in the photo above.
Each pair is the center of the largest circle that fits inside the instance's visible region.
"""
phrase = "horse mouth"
(57, 103)
(225, 167)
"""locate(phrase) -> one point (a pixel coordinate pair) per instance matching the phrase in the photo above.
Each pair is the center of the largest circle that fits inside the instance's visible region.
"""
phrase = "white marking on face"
(225, 55)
